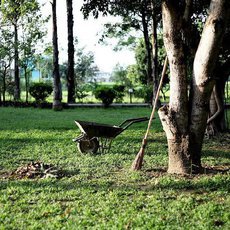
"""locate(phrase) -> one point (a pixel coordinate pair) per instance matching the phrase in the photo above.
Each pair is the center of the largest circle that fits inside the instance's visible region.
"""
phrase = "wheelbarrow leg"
(105, 144)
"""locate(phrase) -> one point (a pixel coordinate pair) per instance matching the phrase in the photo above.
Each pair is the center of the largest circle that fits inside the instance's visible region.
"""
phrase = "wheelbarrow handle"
(131, 121)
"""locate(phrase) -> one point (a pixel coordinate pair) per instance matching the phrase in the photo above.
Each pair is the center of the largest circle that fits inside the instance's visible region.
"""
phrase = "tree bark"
(217, 122)
(16, 65)
(26, 83)
(4, 85)
(70, 71)
(57, 97)
(155, 56)
(203, 80)
(147, 47)
(174, 117)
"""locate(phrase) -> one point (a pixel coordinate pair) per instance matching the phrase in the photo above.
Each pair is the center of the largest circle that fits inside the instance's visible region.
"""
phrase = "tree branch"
(187, 11)
(219, 106)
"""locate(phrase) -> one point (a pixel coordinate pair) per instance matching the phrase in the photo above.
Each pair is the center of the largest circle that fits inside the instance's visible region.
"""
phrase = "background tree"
(85, 67)
(44, 63)
(119, 76)
(70, 71)
(142, 16)
(6, 57)
(135, 15)
(13, 12)
(132, 75)
(57, 94)
(33, 32)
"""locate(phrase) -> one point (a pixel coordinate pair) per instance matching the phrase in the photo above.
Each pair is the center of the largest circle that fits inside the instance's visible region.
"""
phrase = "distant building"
(103, 77)
(35, 75)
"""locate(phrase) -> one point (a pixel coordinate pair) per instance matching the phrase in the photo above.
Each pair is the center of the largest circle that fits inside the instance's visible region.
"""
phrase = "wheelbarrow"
(96, 136)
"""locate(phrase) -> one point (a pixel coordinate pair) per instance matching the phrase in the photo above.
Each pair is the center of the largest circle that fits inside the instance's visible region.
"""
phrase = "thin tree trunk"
(4, 86)
(70, 71)
(57, 97)
(26, 82)
(147, 47)
(155, 57)
(16, 65)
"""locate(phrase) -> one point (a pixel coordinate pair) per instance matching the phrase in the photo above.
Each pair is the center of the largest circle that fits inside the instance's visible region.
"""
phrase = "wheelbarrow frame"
(96, 136)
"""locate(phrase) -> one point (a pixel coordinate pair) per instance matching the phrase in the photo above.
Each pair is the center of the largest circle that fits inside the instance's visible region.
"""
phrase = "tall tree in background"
(85, 67)
(57, 93)
(184, 119)
(70, 70)
(135, 15)
(6, 57)
(13, 13)
(140, 15)
(33, 32)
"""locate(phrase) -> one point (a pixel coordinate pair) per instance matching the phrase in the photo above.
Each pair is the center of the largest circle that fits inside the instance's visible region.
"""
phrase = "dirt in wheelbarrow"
(35, 170)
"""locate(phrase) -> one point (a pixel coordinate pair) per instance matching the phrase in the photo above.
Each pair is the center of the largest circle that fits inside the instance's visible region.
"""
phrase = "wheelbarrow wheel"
(88, 146)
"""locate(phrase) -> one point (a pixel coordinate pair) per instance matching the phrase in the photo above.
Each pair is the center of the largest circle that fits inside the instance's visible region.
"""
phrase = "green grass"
(100, 191)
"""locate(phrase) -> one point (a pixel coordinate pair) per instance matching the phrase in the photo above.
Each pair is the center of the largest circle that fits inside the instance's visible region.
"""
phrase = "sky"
(86, 32)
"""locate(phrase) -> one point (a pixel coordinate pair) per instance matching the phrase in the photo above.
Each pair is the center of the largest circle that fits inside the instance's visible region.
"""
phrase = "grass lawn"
(100, 191)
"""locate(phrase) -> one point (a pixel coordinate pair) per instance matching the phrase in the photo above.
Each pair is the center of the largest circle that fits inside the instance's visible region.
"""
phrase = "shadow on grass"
(216, 154)
(213, 180)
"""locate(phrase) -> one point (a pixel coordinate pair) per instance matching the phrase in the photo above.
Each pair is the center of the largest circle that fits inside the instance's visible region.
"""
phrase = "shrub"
(120, 92)
(40, 91)
(10, 88)
(105, 94)
(80, 93)
(145, 93)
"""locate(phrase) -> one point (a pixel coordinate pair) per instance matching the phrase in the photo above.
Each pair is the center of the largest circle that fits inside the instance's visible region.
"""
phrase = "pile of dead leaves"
(35, 170)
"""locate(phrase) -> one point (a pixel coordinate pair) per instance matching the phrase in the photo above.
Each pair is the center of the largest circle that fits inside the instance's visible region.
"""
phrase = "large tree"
(70, 70)
(184, 119)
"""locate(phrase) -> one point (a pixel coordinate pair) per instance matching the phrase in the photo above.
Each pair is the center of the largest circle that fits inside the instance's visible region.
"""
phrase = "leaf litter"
(35, 170)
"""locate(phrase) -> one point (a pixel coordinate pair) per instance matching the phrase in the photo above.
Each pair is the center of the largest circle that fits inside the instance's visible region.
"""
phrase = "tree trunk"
(147, 47)
(57, 94)
(26, 82)
(16, 65)
(4, 85)
(155, 57)
(217, 122)
(185, 129)
(203, 70)
(174, 117)
(70, 71)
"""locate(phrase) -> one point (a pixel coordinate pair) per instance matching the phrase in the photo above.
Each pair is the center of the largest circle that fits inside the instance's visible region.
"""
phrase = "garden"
(70, 190)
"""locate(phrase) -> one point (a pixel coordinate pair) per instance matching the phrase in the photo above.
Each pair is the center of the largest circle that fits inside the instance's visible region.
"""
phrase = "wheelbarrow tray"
(92, 129)
(96, 136)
